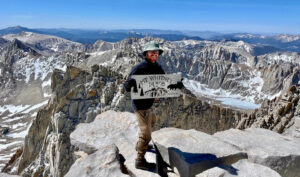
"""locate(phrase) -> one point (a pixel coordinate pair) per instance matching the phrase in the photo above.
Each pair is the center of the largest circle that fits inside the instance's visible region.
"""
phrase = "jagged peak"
(3, 41)
(16, 27)
(19, 45)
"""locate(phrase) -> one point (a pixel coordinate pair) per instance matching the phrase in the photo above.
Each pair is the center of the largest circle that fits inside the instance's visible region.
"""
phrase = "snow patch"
(254, 92)
(61, 67)
(224, 96)
(283, 58)
(13, 119)
(234, 102)
(27, 75)
(46, 83)
(5, 157)
(99, 53)
(33, 114)
(244, 46)
(13, 109)
(21, 134)
(36, 106)
(5, 146)
(114, 59)
(126, 59)
(40, 68)
(54, 48)
(46, 95)
(255, 83)
(17, 125)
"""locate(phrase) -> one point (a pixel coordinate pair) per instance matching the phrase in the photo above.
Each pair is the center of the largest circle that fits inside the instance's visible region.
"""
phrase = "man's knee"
(145, 134)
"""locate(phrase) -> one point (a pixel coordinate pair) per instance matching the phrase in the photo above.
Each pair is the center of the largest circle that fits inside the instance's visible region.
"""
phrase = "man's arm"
(130, 82)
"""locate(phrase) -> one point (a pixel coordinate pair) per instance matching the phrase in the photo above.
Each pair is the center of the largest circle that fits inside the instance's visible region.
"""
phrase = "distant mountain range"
(91, 36)
(283, 42)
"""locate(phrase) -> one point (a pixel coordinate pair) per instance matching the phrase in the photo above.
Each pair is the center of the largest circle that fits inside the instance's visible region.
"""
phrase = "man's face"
(152, 55)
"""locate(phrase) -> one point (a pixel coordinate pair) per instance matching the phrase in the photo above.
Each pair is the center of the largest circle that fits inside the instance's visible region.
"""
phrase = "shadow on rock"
(191, 164)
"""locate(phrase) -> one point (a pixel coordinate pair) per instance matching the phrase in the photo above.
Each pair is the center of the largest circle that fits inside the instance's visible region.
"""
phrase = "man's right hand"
(132, 83)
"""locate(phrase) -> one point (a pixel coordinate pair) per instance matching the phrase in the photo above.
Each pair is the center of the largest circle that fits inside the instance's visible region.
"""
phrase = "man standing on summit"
(143, 107)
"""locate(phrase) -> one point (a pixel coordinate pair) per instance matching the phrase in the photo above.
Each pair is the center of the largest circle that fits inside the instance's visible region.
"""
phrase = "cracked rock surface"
(254, 151)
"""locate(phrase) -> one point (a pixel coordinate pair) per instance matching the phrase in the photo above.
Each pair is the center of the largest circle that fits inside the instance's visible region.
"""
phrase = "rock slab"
(241, 168)
(193, 152)
(104, 162)
(268, 148)
(110, 127)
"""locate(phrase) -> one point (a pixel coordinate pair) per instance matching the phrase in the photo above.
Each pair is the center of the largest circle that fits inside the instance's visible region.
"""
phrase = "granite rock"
(268, 148)
(242, 168)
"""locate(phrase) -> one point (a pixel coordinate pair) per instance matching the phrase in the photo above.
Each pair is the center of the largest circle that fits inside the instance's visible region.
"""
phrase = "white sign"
(155, 86)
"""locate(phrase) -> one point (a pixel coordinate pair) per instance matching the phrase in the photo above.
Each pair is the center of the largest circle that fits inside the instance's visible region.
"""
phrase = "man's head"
(152, 51)
(152, 55)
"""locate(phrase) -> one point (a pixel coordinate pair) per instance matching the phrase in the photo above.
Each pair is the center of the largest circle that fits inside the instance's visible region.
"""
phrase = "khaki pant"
(146, 121)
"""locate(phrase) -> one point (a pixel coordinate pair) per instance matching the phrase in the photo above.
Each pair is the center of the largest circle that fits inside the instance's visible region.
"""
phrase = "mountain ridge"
(287, 42)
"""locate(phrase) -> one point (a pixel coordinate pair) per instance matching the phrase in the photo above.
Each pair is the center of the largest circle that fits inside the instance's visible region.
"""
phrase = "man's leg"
(145, 123)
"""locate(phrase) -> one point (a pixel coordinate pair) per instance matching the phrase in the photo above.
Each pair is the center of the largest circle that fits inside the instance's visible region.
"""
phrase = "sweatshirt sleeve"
(127, 82)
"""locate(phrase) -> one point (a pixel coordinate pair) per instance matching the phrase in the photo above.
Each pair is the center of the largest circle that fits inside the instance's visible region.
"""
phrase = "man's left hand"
(178, 85)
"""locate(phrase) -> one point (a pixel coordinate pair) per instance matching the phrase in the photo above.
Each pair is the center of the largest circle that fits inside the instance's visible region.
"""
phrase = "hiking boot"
(144, 165)
(150, 147)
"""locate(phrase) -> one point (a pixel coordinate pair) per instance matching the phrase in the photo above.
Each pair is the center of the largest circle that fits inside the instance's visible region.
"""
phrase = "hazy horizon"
(174, 30)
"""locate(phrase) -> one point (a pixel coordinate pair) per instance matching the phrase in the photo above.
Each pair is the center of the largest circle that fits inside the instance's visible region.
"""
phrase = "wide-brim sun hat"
(152, 45)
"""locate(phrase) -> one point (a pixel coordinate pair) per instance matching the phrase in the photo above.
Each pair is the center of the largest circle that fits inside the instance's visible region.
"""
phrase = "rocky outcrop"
(104, 162)
(280, 114)
(188, 152)
(240, 168)
(3, 43)
(259, 145)
(274, 76)
(47, 147)
(110, 131)
(8, 56)
(195, 152)
(188, 112)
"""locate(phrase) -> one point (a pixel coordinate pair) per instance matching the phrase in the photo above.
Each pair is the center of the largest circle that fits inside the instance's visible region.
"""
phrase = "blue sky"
(258, 16)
